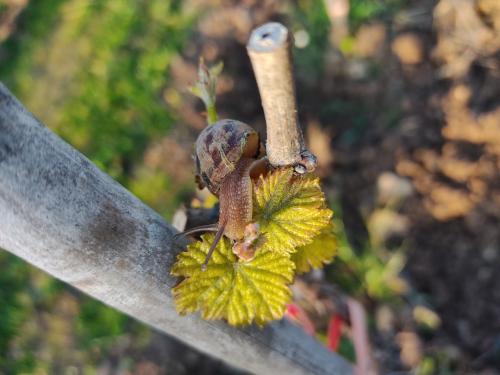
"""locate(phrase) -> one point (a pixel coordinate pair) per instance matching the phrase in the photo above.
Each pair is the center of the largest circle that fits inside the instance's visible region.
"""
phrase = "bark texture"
(269, 49)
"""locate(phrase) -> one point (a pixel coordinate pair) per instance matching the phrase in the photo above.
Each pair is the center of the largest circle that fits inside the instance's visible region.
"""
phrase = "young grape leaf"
(238, 291)
(205, 88)
(291, 210)
(317, 253)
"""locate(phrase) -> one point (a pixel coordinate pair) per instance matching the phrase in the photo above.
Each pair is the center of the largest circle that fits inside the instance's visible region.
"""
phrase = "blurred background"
(400, 101)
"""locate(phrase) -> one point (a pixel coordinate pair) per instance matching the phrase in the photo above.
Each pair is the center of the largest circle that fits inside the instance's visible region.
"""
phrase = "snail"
(227, 156)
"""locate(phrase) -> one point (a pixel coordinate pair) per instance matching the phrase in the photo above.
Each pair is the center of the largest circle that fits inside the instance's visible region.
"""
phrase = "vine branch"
(270, 51)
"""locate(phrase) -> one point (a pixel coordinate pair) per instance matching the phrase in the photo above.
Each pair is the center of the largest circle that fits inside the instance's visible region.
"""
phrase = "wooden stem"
(270, 51)
(59, 212)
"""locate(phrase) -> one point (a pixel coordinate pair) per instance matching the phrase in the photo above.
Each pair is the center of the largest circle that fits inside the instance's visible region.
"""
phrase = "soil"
(414, 105)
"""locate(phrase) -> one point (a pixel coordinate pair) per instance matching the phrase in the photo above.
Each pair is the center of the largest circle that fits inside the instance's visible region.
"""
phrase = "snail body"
(226, 153)
(236, 200)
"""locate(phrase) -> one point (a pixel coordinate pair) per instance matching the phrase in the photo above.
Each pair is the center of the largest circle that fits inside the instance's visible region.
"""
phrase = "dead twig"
(270, 49)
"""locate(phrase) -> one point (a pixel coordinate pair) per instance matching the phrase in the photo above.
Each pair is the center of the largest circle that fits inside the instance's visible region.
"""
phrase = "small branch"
(270, 50)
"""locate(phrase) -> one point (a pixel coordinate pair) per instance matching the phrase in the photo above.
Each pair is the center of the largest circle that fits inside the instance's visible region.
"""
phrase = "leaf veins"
(240, 292)
(290, 210)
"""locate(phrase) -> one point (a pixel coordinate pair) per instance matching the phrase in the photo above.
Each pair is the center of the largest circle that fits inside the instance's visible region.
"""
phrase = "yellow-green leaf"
(316, 254)
(240, 292)
(291, 210)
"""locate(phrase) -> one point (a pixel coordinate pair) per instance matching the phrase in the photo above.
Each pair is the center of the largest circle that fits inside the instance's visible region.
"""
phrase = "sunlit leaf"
(317, 253)
(240, 292)
(290, 209)
(291, 213)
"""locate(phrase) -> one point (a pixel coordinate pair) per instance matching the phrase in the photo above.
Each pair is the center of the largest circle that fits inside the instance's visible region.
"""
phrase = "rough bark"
(59, 212)
(270, 51)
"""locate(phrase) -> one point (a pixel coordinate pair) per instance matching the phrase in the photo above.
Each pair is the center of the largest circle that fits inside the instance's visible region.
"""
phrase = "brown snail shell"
(219, 148)
(226, 161)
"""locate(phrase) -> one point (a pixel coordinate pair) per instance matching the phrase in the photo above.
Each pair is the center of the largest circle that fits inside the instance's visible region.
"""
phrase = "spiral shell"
(218, 149)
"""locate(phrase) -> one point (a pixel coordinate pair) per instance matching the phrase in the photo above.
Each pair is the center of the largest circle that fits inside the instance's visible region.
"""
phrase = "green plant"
(311, 16)
(363, 11)
(372, 273)
(14, 309)
(93, 71)
(205, 88)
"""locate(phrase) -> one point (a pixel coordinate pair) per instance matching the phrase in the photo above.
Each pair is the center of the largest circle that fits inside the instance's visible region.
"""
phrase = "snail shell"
(219, 148)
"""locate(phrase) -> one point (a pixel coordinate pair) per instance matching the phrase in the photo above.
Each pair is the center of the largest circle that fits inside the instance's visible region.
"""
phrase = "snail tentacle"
(201, 228)
(217, 238)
